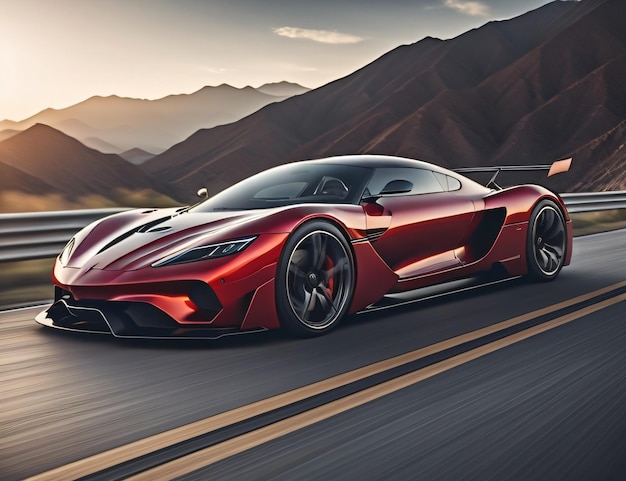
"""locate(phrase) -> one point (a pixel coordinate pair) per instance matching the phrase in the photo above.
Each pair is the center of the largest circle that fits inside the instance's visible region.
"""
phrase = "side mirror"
(203, 192)
(397, 187)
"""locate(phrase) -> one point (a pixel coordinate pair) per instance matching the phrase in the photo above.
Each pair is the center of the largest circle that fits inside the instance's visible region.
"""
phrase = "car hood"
(136, 239)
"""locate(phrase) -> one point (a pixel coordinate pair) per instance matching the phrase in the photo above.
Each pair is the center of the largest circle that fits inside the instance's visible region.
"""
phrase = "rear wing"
(554, 168)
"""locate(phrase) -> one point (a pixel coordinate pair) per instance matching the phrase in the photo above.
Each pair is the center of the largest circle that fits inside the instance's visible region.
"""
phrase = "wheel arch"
(520, 201)
(330, 220)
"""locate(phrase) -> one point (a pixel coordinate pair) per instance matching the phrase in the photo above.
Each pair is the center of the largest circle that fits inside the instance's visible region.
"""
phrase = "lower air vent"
(204, 297)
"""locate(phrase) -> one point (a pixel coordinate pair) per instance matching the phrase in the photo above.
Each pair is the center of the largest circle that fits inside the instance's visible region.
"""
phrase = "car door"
(421, 228)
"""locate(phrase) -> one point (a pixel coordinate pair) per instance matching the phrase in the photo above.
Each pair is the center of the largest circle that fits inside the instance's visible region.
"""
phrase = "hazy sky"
(55, 53)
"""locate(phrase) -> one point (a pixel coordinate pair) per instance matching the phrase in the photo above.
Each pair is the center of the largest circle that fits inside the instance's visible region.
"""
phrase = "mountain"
(283, 89)
(5, 134)
(50, 161)
(100, 145)
(115, 124)
(136, 156)
(543, 86)
(12, 179)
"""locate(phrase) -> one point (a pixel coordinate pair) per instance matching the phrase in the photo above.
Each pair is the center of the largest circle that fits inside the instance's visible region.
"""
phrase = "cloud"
(475, 9)
(215, 70)
(323, 36)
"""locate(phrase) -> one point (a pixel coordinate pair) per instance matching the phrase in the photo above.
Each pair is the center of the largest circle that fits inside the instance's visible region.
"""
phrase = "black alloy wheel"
(314, 280)
(547, 241)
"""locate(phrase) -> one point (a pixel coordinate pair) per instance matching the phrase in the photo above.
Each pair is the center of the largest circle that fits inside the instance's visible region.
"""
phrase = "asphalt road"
(552, 406)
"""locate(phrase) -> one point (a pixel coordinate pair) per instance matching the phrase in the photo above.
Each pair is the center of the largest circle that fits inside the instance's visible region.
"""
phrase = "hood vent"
(150, 225)
(141, 228)
(159, 229)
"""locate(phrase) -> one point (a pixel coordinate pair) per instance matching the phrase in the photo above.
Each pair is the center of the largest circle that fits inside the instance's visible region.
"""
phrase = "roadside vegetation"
(603, 221)
(13, 201)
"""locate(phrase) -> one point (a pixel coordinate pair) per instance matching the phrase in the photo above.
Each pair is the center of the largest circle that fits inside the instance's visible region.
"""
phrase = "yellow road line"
(200, 459)
(107, 459)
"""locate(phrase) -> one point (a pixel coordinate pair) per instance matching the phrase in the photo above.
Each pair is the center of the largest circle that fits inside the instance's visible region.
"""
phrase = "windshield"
(296, 183)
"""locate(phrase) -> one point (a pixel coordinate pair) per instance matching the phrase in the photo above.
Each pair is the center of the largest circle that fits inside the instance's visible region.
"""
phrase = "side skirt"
(399, 299)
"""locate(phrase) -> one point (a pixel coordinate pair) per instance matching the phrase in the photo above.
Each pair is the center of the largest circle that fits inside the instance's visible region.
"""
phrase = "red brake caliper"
(328, 265)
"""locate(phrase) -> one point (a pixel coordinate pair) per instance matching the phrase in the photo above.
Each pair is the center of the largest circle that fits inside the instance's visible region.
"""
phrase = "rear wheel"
(546, 242)
(314, 280)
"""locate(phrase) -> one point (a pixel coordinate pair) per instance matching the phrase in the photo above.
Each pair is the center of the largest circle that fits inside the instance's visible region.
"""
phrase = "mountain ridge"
(486, 97)
(547, 85)
(72, 169)
(124, 123)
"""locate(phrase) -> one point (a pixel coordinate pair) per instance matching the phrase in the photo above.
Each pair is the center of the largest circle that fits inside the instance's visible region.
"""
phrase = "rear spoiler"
(553, 169)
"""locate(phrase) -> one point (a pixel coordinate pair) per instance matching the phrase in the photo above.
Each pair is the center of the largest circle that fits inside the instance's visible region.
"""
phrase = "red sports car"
(300, 246)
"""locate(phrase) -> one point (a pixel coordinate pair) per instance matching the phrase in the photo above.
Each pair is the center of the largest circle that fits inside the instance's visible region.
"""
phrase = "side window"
(424, 181)
(453, 184)
(290, 190)
(448, 183)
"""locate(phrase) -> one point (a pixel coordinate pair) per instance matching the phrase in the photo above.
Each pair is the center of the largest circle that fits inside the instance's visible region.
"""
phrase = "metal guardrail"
(38, 235)
(595, 201)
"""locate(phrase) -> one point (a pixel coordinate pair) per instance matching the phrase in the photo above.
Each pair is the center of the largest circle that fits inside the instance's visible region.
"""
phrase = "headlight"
(206, 252)
(64, 256)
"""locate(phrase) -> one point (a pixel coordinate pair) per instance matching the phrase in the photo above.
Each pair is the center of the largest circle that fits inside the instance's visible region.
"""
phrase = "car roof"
(376, 161)
(373, 161)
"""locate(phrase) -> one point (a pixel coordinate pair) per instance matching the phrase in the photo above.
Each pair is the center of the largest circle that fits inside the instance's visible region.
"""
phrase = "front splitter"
(97, 323)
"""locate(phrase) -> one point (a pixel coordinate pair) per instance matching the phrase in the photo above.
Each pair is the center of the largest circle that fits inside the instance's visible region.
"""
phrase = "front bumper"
(125, 320)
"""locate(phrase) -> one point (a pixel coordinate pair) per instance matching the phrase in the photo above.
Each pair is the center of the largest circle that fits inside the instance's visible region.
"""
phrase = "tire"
(546, 242)
(314, 280)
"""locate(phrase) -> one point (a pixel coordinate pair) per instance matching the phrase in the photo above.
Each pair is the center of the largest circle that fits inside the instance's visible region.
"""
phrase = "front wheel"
(314, 280)
(546, 242)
